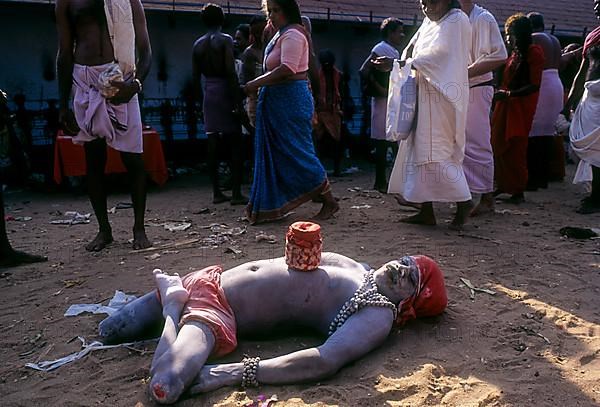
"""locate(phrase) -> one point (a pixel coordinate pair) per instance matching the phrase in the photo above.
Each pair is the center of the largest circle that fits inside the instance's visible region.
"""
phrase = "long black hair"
(290, 9)
(520, 26)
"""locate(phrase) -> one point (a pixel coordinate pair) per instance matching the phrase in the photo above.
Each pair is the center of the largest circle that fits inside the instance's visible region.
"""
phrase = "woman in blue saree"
(287, 171)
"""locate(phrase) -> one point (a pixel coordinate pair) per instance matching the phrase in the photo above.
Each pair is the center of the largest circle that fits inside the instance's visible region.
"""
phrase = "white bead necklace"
(366, 295)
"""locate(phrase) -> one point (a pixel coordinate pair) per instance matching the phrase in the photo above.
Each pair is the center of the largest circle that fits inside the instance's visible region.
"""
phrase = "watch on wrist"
(139, 83)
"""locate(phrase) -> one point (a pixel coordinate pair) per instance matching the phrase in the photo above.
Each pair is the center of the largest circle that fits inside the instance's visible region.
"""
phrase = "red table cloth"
(69, 158)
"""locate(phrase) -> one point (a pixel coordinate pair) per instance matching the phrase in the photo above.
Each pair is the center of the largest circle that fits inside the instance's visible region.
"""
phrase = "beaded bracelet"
(249, 373)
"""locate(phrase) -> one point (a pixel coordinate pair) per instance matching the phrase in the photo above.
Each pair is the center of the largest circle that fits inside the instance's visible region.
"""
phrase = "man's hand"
(68, 123)
(385, 64)
(250, 88)
(501, 95)
(126, 90)
(213, 377)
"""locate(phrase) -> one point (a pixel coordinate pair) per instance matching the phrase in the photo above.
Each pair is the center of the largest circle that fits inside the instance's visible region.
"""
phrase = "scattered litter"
(154, 256)
(531, 332)
(50, 365)
(18, 218)
(233, 250)
(473, 289)
(262, 401)
(365, 206)
(118, 301)
(171, 252)
(511, 212)
(580, 233)
(73, 218)
(177, 226)
(124, 205)
(201, 211)
(167, 246)
(263, 237)
(351, 170)
(489, 239)
(354, 189)
(72, 283)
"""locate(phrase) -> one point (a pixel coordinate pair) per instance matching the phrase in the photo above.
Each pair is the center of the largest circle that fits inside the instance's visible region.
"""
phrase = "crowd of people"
(486, 121)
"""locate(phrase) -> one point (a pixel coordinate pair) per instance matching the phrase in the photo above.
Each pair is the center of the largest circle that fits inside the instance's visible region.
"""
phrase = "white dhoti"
(585, 132)
(428, 166)
(479, 157)
(550, 104)
(378, 116)
(442, 181)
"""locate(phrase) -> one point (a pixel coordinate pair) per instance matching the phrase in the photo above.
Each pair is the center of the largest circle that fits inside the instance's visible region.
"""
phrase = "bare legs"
(135, 167)
(95, 154)
(329, 208)
(463, 209)
(426, 216)
(180, 353)
(381, 149)
(235, 143)
(591, 204)
(486, 205)
(10, 257)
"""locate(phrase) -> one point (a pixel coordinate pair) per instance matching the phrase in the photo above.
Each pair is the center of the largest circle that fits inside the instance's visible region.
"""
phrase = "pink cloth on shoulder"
(290, 50)
(207, 304)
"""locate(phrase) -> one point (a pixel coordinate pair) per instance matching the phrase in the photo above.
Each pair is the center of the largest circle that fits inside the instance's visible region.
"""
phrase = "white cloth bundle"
(401, 104)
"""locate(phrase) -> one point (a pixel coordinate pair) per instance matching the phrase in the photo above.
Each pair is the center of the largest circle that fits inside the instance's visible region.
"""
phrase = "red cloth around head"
(431, 297)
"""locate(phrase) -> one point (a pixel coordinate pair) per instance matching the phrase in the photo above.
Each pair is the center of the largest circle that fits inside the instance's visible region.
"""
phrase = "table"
(69, 158)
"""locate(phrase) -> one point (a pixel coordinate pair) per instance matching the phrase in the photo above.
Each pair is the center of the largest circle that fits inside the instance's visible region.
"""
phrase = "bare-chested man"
(216, 81)
(544, 163)
(252, 62)
(9, 257)
(585, 126)
(85, 51)
(350, 304)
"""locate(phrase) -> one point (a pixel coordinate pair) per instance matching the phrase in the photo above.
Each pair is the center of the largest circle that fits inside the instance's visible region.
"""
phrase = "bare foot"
(165, 388)
(12, 258)
(486, 205)
(420, 219)
(140, 240)
(403, 202)
(170, 288)
(327, 211)
(101, 240)
(462, 213)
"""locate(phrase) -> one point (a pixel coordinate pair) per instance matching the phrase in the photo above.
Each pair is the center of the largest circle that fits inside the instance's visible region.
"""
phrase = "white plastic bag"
(401, 104)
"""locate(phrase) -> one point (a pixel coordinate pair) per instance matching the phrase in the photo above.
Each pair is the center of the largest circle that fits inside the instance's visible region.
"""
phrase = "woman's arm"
(295, 50)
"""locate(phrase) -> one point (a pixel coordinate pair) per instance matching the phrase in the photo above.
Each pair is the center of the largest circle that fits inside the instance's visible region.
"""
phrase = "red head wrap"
(430, 298)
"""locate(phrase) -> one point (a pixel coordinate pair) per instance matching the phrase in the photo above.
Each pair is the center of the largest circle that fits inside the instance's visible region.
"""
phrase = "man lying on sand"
(354, 306)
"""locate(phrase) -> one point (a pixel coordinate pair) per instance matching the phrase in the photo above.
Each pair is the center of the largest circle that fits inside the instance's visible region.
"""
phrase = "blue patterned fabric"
(287, 172)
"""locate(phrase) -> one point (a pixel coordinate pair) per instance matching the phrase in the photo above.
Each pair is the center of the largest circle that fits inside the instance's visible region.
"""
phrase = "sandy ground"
(536, 342)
